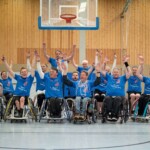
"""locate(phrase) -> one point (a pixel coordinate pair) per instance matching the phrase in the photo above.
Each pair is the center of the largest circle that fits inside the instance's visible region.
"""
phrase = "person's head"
(116, 72)
(44, 67)
(75, 76)
(53, 72)
(83, 76)
(107, 69)
(58, 54)
(4, 75)
(84, 63)
(23, 72)
(134, 70)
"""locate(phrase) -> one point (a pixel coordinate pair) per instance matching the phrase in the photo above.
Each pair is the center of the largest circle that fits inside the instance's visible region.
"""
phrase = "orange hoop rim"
(68, 16)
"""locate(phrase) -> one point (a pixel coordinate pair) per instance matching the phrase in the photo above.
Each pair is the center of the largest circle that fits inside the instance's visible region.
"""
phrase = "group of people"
(55, 83)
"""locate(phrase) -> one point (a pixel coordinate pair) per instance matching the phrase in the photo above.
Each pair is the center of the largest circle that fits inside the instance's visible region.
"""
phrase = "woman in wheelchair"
(83, 89)
(23, 86)
(115, 92)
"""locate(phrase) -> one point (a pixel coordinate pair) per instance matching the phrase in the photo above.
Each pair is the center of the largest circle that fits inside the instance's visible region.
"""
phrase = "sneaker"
(114, 119)
(82, 117)
(76, 116)
(109, 118)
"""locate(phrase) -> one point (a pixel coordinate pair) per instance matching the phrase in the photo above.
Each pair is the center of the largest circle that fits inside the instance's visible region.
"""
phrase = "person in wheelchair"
(23, 86)
(8, 88)
(134, 88)
(115, 92)
(40, 85)
(83, 89)
(145, 97)
(53, 89)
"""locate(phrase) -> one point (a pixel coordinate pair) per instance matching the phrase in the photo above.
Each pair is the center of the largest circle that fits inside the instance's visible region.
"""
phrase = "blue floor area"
(69, 136)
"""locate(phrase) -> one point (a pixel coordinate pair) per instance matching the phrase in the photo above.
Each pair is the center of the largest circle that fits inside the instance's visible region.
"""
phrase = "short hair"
(85, 72)
(116, 69)
(2, 72)
(75, 72)
(53, 68)
(57, 50)
(22, 68)
(85, 61)
(134, 67)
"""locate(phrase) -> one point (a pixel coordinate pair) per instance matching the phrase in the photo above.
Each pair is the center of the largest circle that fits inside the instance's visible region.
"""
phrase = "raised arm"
(28, 61)
(114, 63)
(33, 66)
(74, 64)
(39, 67)
(103, 71)
(72, 53)
(45, 52)
(138, 73)
(8, 67)
(128, 69)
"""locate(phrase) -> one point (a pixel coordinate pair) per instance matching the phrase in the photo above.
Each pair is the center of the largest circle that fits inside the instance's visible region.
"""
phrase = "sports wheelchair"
(142, 114)
(28, 112)
(89, 115)
(120, 112)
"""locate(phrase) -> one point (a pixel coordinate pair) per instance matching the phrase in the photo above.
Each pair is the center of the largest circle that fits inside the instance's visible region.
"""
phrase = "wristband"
(126, 64)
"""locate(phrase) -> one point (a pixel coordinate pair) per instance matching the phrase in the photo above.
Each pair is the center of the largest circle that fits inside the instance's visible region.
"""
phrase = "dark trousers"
(144, 99)
(113, 104)
(54, 106)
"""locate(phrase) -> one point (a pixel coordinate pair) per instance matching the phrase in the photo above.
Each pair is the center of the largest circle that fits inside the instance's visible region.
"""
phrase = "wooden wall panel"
(19, 31)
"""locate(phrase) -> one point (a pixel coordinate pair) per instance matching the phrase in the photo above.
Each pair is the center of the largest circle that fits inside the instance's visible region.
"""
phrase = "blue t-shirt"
(115, 86)
(69, 91)
(40, 84)
(53, 62)
(23, 85)
(7, 85)
(146, 80)
(53, 87)
(103, 83)
(80, 69)
(134, 84)
(83, 89)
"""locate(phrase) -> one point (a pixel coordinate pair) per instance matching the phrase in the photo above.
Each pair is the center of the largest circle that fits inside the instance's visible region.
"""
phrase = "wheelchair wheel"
(33, 114)
(8, 108)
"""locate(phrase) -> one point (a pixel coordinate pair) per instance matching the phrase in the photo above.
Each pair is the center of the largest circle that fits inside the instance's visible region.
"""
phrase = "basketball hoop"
(68, 17)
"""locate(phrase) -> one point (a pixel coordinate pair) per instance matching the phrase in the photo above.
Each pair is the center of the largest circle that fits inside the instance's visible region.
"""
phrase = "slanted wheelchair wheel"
(8, 108)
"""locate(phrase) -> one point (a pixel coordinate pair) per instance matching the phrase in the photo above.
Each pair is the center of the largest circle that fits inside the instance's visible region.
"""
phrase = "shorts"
(99, 96)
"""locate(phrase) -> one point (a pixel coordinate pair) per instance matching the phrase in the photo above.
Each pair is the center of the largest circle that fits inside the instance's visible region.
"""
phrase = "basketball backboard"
(68, 15)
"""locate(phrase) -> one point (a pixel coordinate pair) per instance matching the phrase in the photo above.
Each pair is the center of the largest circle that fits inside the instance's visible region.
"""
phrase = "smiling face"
(84, 63)
(23, 72)
(58, 54)
(4, 75)
(53, 73)
(44, 67)
(134, 70)
(115, 73)
(83, 76)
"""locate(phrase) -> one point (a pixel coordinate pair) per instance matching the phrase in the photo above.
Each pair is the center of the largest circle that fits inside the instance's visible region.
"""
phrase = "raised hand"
(28, 54)
(141, 59)
(106, 60)
(126, 58)
(37, 58)
(115, 56)
(3, 59)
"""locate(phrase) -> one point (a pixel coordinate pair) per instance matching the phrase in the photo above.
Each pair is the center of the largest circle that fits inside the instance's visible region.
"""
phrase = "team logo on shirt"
(8, 84)
(57, 84)
(25, 83)
(118, 81)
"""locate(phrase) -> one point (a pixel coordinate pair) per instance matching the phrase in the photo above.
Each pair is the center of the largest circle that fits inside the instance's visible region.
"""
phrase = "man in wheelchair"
(83, 89)
(23, 86)
(53, 90)
(115, 92)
